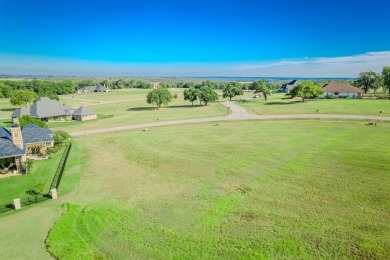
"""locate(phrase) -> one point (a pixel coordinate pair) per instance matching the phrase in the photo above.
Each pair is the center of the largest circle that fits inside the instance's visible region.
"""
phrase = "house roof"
(35, 134)
(46, 107)
(18, 112)
(101, 88)
(341, 88)
(83, 111)
(67, 107)
(30, 134)
(42, 108)
(4, 133)
(7, 147)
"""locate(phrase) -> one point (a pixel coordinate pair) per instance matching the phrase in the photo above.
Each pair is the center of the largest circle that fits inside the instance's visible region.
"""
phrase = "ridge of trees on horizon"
(367, 81)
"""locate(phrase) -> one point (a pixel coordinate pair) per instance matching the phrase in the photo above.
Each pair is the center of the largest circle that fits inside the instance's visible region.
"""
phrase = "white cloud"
(346, 66)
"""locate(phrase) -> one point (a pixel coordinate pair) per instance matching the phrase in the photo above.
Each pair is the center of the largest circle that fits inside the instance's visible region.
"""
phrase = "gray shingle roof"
(46, 107)
(4, 133)
(7, 147)
(18, 112)
(83, 111)
(35, 134)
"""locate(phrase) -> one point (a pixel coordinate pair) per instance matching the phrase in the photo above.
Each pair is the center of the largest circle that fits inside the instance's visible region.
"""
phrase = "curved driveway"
(238, 113)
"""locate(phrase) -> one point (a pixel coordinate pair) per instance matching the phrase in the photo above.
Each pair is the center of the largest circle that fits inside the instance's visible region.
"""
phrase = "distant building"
(288, 86)
(45, 109)
(89, 89)
(83, 113)
(344, 90)
(49, 110)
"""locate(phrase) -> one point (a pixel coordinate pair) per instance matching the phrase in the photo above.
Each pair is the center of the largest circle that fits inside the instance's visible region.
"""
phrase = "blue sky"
(324, 38)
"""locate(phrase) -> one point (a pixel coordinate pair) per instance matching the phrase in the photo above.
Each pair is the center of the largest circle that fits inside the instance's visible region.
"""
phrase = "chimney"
(17, 138)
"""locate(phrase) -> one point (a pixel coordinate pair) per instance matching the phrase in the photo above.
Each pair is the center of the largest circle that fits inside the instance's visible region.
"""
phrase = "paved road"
(237, 113)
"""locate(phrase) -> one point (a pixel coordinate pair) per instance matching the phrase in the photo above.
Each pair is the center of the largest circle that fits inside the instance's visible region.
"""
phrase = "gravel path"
(237, 113)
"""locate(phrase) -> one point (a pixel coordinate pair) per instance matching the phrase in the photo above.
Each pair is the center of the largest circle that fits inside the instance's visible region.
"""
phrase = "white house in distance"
(344, 90)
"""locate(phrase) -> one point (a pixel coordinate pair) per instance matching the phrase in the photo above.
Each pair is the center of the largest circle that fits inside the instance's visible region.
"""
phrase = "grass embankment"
(275, 189)
(280, 104)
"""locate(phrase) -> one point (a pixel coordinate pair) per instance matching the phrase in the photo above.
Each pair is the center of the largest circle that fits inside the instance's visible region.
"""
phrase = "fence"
(54, 184)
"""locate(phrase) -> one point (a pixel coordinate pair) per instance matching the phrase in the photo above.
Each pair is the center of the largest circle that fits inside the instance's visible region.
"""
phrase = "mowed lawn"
(42, 173)
(129, 106)
(280, 104)
(240, 190)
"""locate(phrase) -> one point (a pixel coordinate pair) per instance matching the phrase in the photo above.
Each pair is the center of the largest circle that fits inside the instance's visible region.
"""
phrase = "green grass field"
(259, 189)
(280, 104)
(274, 189)
(42, 172)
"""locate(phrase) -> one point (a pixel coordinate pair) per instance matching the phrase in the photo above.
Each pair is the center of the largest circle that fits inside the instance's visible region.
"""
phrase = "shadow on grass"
(154, 108)
(141, 109)
(282, 103)
(7, 109)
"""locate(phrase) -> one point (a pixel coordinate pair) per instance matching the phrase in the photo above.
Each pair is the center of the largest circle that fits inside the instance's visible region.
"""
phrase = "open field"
(135, 110)
(281, 104)
(320, 189)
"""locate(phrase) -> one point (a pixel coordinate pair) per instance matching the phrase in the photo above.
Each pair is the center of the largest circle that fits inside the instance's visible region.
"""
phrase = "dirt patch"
(235, 187)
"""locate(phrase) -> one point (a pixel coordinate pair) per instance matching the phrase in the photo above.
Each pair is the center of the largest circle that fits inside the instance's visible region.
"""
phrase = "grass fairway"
(280, 104)
(240, 190)
(129, 106)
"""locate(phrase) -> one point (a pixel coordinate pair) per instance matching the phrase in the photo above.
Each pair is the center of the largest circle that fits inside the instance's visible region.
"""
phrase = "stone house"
(30, 141)
(83, 113)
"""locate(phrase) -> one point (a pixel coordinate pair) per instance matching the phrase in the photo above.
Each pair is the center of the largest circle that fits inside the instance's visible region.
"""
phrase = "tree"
(5, 90)
(158, 97)
(191, 94)
(366, 80)
(306, 89)
(22, 97)
(386, 77)
(37, 190)
(259, 86)
(207, 94)
(60, 137)
(26, 119)
(232, 89)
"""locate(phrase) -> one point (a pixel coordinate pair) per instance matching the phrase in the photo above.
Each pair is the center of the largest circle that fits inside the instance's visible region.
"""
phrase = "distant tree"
(106, 83)
(158, 97)
(306, 89)
(386, 78)
(260, 86)
(378, 83)
(175, 96)
(191, 94)
(26, 119)
(119, 84)
(22, 97)
(366, 80)
(232, 89)
(207, 94)
(5, 90)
